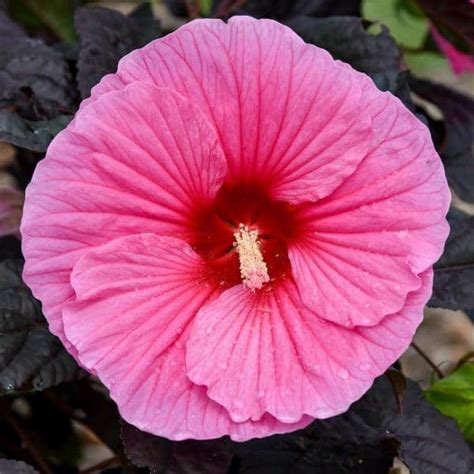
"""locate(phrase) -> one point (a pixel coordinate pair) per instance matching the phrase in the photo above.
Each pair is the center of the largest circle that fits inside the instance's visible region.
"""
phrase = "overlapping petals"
(142, 292)
(104, 179)
(129, 225)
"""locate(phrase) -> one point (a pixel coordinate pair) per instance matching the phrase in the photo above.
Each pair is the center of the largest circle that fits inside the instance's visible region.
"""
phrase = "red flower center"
(248, 206)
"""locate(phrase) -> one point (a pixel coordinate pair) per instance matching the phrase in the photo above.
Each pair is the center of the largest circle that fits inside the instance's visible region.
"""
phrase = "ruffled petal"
(348, 286)
(263, 352)
(135, 299)
(121, 168)
(383, 226)
(286, 113)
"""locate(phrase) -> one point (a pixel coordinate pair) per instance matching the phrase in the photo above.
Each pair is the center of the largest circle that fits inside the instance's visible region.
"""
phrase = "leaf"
(88, 397)
(34, 78)
(145, 21)
(206, 7)
(285, 9)
(454, 396)
(456, 15)
(9, 27)
(31, 358)
(347, 39)
(426, 440)
(363, 440)
(8, 466)
(167, 457)
(177, 7)
(406, 24)
(457, 145)
(10, 247)
(33, 135)
(105, 37)
(453, 286)
(56, 15)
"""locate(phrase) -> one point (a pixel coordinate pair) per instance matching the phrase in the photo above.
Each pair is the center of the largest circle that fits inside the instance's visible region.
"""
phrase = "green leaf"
(454, 396)
(56, 15)
(206, 7)
(409, 28)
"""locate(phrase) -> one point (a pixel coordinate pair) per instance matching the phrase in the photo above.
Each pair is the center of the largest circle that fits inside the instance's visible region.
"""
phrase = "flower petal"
(266, 352)
(285, 111)
(348, 286)
(135, 299)
(459, 61)
(119, 169)
(384, 225)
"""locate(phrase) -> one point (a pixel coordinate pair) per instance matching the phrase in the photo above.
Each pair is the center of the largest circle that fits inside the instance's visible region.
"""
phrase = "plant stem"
(101, 465)
(26, 441)
(427, 360)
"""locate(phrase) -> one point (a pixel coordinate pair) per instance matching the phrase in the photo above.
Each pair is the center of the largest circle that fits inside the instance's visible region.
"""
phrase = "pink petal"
(383, 226)
(119, 169)
(135, 299)
(285, 112)
(460, 62)
(266, 352)
(349, 286)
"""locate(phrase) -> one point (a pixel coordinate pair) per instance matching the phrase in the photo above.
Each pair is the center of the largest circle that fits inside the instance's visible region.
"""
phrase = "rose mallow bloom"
(236, 233)
(459, 61)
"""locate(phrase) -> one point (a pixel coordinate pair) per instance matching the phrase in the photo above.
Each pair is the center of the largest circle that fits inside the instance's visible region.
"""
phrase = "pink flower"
(236, 233)
(460, 62)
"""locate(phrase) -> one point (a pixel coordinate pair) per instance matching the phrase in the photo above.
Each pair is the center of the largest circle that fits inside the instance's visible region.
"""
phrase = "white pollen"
(253, 269)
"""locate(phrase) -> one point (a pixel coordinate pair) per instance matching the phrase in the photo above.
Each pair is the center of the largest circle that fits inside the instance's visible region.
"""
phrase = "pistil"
(253, 269)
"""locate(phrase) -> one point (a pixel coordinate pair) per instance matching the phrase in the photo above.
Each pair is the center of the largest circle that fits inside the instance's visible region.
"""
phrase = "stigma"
(253, 269)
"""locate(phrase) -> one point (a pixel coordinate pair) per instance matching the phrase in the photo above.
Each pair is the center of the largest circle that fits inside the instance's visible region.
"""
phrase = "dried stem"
(427, 360)
(227, 6)
(101, 465)
(27, 442)
(192, 8)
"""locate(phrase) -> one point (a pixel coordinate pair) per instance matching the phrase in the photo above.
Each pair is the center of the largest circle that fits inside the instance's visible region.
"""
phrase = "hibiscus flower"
(459, 61)
(236, 233)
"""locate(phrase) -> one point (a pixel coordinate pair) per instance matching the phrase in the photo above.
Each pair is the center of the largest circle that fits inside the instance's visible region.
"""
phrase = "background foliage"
(51, 53)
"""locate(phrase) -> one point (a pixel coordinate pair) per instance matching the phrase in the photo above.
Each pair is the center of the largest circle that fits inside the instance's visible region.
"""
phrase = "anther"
(253, 269)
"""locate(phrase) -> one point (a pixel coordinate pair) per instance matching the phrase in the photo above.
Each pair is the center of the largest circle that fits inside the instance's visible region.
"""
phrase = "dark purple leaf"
(347, 39)
(285, 9)
(457, 15)
(454, 273)
(29, 134)
(8, 466)
(456, 143)
(34, 78)
(105, 37)
(31, 358)
(167, 457)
